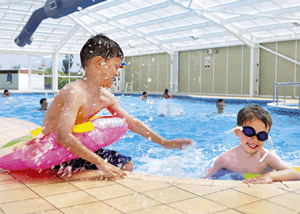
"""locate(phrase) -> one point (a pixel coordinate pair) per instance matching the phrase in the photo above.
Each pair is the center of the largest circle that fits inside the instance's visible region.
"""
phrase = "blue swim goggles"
(250, 132)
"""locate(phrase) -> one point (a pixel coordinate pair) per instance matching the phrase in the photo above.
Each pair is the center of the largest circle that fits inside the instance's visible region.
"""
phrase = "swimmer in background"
(253, 125)
(6, 93)
(44, 104)
(78, 101)
(220, 106)
(166, 94)
(144, 96)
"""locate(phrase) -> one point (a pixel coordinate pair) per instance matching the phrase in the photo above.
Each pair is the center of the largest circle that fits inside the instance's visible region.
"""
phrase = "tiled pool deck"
(84, 192)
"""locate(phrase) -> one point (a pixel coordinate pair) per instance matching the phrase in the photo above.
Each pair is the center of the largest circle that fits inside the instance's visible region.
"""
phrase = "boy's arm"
(142, 129)
(218, 165)
(282, 173)
(72, 103)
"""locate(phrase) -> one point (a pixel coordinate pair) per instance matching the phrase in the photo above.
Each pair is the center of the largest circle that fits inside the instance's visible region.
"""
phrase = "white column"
(55, 72)
(29, 72)
(174, 72)
(254, 71)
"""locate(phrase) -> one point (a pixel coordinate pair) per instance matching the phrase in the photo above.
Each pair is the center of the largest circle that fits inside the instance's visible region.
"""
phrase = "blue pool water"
(207, 131)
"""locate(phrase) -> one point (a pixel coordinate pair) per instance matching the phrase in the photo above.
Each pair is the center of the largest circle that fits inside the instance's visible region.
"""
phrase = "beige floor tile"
(35, 178)
(52, 189)
(289, 189)
(226, 198)
(82, 175)
(294, 184)
(5, 176)
(17, 195)
(70, 199)
(224, 183)
(136, 175)
(91, 208)
(132, 202)
(170, 194)
(289, 200)
(263, 207)
(48, 212)
(26, 206)
(88, 183)
(228, 211)
(11, 184)
(142, 185)
(161, 178)
(261, 192)
(112, 191)
(200, 190)
(203, 182)
(197, 206)
(159, 209)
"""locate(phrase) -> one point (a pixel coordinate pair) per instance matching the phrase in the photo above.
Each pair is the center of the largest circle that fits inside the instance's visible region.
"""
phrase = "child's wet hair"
(220, 101)
(251, 112)
(99, 45)
(42, 100)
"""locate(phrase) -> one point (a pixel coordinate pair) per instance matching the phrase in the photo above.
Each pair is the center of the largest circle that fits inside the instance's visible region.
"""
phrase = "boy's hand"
(177, 144)
(110, 171)
(262, 179)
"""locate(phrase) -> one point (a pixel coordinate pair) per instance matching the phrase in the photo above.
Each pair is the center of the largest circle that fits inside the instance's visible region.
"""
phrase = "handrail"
(275, 91)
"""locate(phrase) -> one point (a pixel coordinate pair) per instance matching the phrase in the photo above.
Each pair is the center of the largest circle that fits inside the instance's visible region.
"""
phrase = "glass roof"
(153, 26)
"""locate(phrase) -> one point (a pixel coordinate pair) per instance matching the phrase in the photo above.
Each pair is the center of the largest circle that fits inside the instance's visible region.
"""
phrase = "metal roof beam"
(237, 32)
(143, 10)
(105, 5)
(271, 14)
(82, 24)
(235, 4)
(178, 29)
(270, 27)
(9, 2)
(67, 38)
(120, 26)
(248, 15)
(18, 22)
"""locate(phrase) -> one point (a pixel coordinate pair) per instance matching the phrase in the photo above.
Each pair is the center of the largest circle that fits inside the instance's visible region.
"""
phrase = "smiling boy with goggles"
(250, 132)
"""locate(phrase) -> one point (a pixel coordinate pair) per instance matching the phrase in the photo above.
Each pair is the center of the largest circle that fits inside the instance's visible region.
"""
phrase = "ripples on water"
(207, 131)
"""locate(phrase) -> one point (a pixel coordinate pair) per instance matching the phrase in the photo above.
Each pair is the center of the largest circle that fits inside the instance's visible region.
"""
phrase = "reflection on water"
(207, 131)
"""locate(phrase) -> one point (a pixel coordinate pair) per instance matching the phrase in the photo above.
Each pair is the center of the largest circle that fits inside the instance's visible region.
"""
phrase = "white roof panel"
(154, 25)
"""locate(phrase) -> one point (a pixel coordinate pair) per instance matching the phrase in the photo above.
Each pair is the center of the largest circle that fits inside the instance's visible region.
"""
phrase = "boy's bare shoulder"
(72, 88)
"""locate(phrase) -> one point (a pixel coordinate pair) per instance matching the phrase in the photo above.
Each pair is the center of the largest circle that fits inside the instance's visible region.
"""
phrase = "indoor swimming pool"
(179, 118)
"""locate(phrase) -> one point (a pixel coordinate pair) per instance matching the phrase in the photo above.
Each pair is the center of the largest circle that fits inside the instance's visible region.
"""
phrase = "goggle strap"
(263, 158)
(235, 128)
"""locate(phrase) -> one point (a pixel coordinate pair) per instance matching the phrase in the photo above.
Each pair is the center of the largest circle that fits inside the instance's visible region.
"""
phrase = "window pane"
(62, 82)
(48, 83)
(74, 79)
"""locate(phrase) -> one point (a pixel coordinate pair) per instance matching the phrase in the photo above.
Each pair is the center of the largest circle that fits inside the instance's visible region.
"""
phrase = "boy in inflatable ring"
(78, 101)
(254, 124)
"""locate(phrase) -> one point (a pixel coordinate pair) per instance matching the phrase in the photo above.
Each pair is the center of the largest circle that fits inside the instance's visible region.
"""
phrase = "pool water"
(185, 120)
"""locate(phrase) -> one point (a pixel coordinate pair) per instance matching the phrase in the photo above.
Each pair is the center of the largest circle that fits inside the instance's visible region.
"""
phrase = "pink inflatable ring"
(99, 132)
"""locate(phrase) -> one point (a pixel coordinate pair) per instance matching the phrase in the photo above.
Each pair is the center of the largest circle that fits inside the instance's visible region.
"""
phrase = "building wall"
(149, 73)
(227, 74)
(275, 69)
(228, 71)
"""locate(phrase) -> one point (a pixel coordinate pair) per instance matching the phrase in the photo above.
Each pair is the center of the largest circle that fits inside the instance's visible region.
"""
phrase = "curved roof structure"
(154, 26)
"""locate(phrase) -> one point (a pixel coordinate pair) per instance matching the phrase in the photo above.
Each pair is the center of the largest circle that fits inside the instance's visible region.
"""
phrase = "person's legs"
(111, 156)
